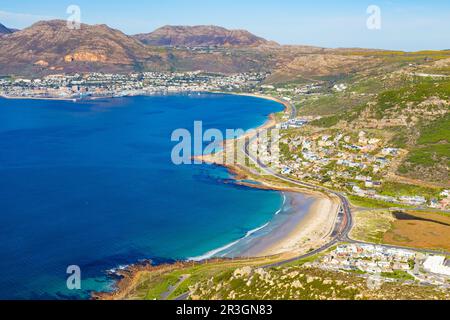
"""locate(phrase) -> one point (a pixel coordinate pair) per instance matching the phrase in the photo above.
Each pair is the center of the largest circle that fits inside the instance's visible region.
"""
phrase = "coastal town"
(95, 85)
(229, 151)
(357, 162)
(354, 162)
(380, 264)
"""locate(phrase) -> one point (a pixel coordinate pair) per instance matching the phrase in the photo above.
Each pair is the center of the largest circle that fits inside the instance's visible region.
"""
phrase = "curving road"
(344, 222)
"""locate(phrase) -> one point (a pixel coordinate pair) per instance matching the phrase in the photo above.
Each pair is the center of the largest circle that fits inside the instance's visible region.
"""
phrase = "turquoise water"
(92, 184)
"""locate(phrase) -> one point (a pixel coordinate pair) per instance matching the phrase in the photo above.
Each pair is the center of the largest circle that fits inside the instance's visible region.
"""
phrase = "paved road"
(172, 289)
(344, 222)
(183, 297)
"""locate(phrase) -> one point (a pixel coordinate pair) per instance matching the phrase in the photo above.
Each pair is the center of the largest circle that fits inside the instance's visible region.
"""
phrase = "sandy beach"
(304, 221)
(301, 232)
(306, 226)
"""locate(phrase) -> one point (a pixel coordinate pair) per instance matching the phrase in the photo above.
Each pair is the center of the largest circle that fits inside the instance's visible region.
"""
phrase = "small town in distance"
(354, 162)
(341, 193)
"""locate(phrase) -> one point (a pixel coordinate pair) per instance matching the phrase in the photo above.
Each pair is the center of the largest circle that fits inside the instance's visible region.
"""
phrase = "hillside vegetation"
(412, 112)
(302, 283)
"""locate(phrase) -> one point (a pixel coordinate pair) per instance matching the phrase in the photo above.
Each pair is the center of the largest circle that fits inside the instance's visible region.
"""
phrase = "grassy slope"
(431, 147)
(346, 286)
(427, 140)
(305, 283)
(218, 280)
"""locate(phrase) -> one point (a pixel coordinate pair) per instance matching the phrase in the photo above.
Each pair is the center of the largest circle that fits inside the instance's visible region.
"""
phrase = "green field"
(398, 275)
(400, 189)
(370, 203)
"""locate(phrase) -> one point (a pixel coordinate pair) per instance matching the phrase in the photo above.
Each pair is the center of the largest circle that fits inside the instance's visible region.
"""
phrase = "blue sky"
(406, 25)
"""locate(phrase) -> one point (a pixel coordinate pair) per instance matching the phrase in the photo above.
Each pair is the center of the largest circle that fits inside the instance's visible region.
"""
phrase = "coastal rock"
(297, 284)
(243, 272)
(263, 274)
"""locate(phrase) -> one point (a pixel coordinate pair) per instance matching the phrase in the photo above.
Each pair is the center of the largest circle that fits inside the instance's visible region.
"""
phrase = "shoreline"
(306, 226)
(301, 222)
(300, 231)
(295, 235)
(254, 95)
(295, 228)
(37, 98)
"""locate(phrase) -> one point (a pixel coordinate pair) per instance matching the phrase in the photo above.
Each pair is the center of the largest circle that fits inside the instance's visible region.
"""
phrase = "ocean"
(91, 183)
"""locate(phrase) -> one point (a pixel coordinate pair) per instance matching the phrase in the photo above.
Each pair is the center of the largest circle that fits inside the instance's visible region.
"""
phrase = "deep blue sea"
(92, 184)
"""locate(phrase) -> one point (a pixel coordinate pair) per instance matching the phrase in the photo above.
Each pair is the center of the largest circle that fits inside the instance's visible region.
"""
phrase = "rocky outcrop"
(85, 57)
(51, 46)
(90, 48)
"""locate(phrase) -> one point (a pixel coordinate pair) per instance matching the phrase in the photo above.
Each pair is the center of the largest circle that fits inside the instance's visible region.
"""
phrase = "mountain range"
(388, 91)
(191, 36)
(49, 47)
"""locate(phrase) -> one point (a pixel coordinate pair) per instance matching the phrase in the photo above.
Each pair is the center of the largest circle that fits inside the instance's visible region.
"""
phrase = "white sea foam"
(255, 230)
(119, 268)
(283, 205)
(215, 252)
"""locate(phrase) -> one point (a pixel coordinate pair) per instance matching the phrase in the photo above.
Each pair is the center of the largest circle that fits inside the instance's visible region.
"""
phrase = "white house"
(437, 264)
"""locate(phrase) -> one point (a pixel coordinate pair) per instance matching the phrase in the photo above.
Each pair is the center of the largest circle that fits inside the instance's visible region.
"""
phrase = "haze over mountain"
(191, 36)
